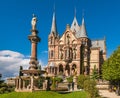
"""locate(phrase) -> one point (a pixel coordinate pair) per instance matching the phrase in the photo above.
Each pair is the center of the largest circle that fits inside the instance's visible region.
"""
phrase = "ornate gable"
(68, 37)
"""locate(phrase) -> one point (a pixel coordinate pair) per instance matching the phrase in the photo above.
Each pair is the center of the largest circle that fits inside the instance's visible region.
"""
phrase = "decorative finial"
(67, 27)
(33, 22)
(33, 15)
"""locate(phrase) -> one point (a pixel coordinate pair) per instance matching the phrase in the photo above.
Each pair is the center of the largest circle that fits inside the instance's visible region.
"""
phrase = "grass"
(44, 94)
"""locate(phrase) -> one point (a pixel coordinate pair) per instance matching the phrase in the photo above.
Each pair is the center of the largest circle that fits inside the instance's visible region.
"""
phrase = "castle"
(74, 52)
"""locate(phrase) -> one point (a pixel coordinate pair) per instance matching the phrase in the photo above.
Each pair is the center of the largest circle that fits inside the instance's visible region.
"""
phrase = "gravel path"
(107, 94)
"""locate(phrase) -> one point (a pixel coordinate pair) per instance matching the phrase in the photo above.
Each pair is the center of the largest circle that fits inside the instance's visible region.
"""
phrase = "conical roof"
(54, 27)
(83, 32)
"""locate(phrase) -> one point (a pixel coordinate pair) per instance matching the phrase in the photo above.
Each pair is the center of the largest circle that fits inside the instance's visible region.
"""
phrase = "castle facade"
(74, 52)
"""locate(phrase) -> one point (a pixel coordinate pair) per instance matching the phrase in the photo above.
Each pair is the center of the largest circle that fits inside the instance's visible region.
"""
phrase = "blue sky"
(102, 18)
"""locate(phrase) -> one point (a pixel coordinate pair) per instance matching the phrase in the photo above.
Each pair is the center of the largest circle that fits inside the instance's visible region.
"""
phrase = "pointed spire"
(83, 29)
(54, 27)
(75, 26)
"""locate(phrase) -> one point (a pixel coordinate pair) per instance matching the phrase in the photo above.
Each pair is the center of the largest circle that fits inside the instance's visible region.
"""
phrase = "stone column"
(63, 69)
(32, 82)
(19, 83)
(34, 50)
(50, 70)
(70, 70)
(58, 70)
(34, 40)
(23, 84)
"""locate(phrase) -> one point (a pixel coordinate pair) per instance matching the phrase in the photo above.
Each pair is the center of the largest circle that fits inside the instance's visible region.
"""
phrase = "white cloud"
(10, 62)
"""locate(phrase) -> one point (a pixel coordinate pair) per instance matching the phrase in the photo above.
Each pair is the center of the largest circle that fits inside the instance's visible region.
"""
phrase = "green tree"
(111, 68)
(4, 88)
(94, 74)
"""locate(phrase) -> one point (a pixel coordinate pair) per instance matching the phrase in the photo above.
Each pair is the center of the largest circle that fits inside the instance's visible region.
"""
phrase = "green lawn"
(44, 94)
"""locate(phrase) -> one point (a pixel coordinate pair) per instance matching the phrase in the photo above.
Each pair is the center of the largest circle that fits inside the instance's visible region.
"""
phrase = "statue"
(75, 73)
(33, 22)
(66, 72)
(68, 41)
(74, 54)
(61, 55)
(68, 53)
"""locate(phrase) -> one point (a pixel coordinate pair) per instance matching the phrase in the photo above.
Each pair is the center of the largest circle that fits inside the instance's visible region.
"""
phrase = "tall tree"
(111, 67)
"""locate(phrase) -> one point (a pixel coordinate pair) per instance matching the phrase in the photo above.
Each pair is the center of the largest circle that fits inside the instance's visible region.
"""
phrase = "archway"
(67, 70)
(60, 69)
(74, 69)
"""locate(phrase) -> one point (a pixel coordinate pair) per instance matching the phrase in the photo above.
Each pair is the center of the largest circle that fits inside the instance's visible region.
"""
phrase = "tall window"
(51, 40)
(49, 54)
(52, 54)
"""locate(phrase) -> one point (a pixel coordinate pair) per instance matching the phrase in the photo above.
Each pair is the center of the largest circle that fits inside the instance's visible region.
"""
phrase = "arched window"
(52, 54)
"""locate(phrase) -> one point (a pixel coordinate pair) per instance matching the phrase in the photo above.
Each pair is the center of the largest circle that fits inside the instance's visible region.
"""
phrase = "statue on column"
(33, 22)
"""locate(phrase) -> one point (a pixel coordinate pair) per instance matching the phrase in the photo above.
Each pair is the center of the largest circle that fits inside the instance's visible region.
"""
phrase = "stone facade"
(73, 53)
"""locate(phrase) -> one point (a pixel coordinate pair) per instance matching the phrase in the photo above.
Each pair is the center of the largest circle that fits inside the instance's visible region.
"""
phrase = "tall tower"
(34, 39)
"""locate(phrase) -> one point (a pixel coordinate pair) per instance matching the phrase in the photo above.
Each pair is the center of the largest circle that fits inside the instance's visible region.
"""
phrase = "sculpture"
(33, 22)
(74, 54)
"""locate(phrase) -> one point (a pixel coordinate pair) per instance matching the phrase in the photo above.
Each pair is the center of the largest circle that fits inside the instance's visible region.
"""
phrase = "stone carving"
(68, 53)
(60, 54)
(68, 39)
(74, 53)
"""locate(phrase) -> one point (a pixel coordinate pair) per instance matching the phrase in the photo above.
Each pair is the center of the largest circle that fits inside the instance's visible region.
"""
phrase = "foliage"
(55, 80)
(4, 88)
(40, 82)
(90, 87)
(80, 80)
(95, 74)
(70, 79)
(111, 67)
(53, 86)
(58, 79)
(44, 94)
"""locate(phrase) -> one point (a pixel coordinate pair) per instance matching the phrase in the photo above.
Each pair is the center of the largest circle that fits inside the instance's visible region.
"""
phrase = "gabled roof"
(99, 43)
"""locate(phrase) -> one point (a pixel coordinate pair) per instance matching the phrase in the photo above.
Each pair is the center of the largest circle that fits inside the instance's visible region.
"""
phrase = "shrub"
(53, 86)
(80, 80)
(90, 87)
(70, 79)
